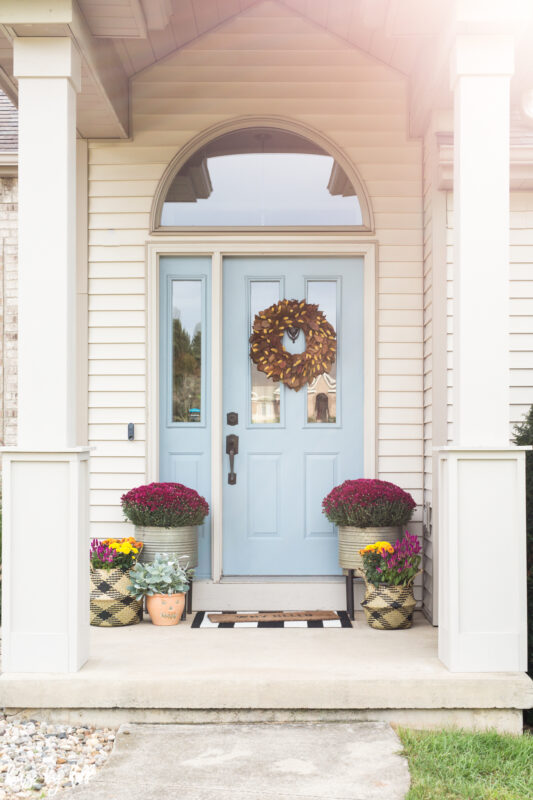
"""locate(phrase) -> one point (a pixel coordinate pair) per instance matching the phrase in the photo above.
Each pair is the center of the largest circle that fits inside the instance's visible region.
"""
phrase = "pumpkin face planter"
(271, 357)
(164, 583)
(165, 609)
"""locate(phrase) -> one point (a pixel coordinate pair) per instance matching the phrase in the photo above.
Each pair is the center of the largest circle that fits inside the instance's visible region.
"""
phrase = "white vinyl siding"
(521, 305)
(429, 189)
(247, 67)
(520, 326)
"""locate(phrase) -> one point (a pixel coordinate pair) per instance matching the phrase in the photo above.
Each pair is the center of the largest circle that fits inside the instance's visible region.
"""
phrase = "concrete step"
(144, 673)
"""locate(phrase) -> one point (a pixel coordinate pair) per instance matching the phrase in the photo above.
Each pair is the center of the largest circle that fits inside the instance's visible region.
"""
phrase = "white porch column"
(482, 575)
(45, 479)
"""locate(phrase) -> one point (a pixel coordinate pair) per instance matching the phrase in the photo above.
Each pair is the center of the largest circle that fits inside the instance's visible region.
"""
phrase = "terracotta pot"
(352, 540)
(178, 541)
(165, 609)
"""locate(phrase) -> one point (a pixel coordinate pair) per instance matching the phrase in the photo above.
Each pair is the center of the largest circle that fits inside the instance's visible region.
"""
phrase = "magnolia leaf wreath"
(270, 356)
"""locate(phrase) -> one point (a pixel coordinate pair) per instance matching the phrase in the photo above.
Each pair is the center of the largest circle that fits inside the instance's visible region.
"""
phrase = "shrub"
(164, 505)
(393, 566)
(368, 504)
(523, 435)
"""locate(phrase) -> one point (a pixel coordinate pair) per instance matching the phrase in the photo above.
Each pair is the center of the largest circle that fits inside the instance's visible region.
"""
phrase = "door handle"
(232, 448)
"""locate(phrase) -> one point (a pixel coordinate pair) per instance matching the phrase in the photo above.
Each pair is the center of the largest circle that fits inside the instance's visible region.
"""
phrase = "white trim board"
(316, 593)
(219, 247)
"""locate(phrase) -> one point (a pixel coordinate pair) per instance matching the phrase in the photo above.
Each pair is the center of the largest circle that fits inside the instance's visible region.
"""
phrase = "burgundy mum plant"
(368, 504)
(164, 505)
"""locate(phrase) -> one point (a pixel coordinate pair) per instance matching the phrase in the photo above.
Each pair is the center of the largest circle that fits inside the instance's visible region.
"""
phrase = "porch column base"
(482, 563)
(45, 592)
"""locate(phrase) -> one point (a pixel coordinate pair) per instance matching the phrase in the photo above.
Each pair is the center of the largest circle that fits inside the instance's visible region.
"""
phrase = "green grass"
(457, 765)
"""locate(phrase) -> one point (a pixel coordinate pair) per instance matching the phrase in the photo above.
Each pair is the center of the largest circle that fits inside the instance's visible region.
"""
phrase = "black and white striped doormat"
(201, 620)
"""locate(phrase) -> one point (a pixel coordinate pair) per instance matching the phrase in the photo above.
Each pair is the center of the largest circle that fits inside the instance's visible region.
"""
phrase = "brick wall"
(8, 311)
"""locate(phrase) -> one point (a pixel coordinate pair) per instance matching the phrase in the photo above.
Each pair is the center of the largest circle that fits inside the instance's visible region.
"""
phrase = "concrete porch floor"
(146, 673)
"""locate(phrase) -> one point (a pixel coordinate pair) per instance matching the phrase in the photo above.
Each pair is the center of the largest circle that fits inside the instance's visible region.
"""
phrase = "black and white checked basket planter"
(111, 603)
(389, 608)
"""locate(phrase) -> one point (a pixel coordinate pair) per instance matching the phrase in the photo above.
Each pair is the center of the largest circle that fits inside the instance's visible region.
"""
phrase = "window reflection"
(322, 391)
(186, 351)
(261, 177)
(265, 394)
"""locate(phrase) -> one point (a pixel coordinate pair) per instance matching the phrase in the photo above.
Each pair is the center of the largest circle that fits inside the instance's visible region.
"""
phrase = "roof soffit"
(103, 101)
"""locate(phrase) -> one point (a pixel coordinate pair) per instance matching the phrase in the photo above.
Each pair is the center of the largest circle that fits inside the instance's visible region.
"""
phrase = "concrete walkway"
(322, 761)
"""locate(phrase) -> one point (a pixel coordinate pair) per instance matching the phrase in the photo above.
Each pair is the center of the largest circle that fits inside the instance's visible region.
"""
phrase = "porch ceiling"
(119, 38)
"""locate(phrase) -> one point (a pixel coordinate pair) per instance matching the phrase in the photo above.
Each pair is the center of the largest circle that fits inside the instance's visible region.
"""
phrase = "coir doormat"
(271, 619)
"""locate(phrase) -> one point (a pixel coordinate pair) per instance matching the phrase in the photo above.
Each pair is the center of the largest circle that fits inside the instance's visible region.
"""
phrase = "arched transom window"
(260, 177)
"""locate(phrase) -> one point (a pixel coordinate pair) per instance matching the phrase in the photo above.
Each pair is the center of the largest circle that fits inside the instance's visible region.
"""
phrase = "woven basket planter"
(181, 541)
(111, 604)
(352, 540)
(389, 608)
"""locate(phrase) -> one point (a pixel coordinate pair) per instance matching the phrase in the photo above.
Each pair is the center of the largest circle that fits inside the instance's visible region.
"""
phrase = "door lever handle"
(232, 448)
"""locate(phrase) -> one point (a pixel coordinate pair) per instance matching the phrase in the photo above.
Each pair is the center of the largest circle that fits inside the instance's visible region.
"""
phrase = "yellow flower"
(124, 546)
(377, 547)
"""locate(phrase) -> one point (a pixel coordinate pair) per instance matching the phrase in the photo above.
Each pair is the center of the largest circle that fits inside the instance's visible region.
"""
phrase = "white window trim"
(218, 248)
(240, 123)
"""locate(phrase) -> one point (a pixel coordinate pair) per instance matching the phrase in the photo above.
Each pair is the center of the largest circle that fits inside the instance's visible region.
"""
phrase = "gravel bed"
(38, 759)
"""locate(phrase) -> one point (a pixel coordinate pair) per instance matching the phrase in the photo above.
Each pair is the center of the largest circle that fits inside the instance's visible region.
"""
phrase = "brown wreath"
(268, 352)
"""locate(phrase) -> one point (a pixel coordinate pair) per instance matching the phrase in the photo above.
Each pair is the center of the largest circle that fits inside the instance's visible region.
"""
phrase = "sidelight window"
(187, 305)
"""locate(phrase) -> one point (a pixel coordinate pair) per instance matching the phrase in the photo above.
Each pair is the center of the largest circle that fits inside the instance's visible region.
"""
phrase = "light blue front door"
(293, 446)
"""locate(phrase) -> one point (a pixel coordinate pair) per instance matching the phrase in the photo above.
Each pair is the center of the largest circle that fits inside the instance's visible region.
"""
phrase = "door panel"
(293, 446)
(184, 369)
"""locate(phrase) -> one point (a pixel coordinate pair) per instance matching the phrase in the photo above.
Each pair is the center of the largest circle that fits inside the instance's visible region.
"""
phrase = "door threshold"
(273, 592)
(282, 579)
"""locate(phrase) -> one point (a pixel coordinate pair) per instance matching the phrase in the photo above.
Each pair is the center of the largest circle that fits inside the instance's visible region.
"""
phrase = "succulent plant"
(164, 575)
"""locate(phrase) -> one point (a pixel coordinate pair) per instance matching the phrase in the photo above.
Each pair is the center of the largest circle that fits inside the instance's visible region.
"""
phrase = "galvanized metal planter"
(181, 541)
(111, 603)
(389, 608)
(352, 540)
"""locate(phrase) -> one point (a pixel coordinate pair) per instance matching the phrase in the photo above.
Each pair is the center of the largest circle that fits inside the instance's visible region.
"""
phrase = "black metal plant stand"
(350, 573)
(187, 608)
(189, 598)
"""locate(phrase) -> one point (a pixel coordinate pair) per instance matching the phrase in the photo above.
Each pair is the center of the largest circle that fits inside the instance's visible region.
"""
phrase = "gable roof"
(381, 28)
